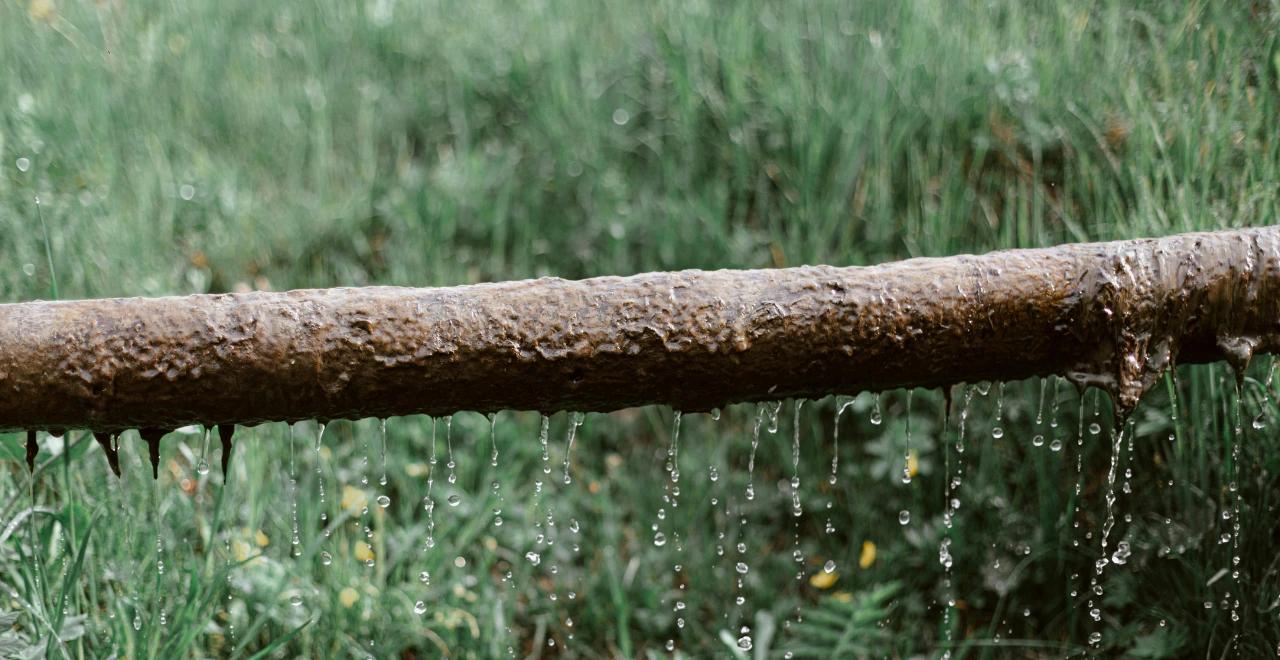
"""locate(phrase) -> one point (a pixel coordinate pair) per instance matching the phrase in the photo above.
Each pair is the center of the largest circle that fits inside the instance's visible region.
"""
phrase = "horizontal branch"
(1113, 315)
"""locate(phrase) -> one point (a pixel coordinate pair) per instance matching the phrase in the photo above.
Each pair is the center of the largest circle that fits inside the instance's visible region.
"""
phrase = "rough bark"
(1114, 315)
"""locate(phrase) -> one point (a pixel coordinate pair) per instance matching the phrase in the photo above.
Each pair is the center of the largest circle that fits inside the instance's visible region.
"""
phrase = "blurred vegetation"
(151, 148)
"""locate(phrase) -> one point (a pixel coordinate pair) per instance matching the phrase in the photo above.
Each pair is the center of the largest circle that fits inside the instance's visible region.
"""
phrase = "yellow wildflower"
(43, 10)
(348, 597)
(364, 552)
(868, 556)
(261, 539)
(824, 580)
(913, 463)
(842, 596)
(354, 499)
(240, 549)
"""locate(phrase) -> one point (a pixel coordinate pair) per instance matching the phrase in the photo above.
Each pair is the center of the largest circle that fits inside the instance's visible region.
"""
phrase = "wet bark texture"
(1114, 315)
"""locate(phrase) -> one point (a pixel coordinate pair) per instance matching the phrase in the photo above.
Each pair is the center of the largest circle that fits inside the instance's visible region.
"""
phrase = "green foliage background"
(217, 146)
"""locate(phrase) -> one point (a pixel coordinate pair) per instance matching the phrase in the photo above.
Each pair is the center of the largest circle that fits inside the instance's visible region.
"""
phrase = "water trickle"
(428, 503)
(797, 509)
(296, 539)
(876, 417)
(761, 411)
(842, 404)
(1040, 405)
(575, 420)
(382, 433)
(951, 484)
(907, 458)
(448, 443)
(202, 466)
(1108, 524)
(1233, 487)
(997, 431)
(324, 511)
(493, 462)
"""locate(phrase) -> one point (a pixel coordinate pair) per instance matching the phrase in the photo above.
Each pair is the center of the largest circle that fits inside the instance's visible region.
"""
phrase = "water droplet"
(621, 116)
(997, 432)
(741, 567)
(454, 500)
(1259, 422)
(424, 577)
(1056, 445)
(659, 539)
(187, 192)
(137, 622)
(384, 501)
(202, 468)
(23, 164)
(295, 600)
(829, 567)
(419, 607)
(744, 642)
(876, 417)
(1037, 440)
(1094, 428)
(326, 558)
(904, 517)
(533, 557)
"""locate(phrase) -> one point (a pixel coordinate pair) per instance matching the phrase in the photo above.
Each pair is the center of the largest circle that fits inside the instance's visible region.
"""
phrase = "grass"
(152, 148)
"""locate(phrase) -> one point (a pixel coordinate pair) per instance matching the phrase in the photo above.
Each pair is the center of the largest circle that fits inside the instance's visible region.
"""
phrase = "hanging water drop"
(419, 607)
(876, 417)
(904, 517)
(384, 501)
(829, 567)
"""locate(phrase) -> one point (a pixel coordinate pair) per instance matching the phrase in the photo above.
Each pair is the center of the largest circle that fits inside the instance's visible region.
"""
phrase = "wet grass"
(193, 147)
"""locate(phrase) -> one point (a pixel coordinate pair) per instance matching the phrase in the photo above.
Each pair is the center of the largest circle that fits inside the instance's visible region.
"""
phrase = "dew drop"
(295, 600)
(326, 558)
(1037, 440)
(454, 500)
(384, 501)
(829, 567)
(419, 607)
(904, 517)
(659, 539)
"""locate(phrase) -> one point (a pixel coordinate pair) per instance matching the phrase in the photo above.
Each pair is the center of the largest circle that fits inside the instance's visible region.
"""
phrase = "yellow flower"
(868, 556)
(42, 10)
(823, 579)
(842, 596)
(354, 499)
(364, 552)
(261, 539)
(240, 549)
(348, 597)
(913, 463)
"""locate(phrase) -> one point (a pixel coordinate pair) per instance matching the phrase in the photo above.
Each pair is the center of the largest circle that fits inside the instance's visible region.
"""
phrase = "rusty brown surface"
(1113, 315)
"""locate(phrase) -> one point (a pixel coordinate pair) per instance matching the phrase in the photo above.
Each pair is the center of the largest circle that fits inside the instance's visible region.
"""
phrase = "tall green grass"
(152, 148)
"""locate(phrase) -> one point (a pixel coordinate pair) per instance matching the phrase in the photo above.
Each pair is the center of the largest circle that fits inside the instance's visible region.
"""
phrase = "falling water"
(296, 539)
(1234, 488)
(797, 510)
(951, 484)
(672, 497)
(324, 510)
(1095, 585)
(493, 462)
(575, 420)
(202, 467)
(842, 404)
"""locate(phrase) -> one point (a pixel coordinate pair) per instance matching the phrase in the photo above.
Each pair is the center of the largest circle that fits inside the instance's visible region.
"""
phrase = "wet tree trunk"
(1115, 315)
